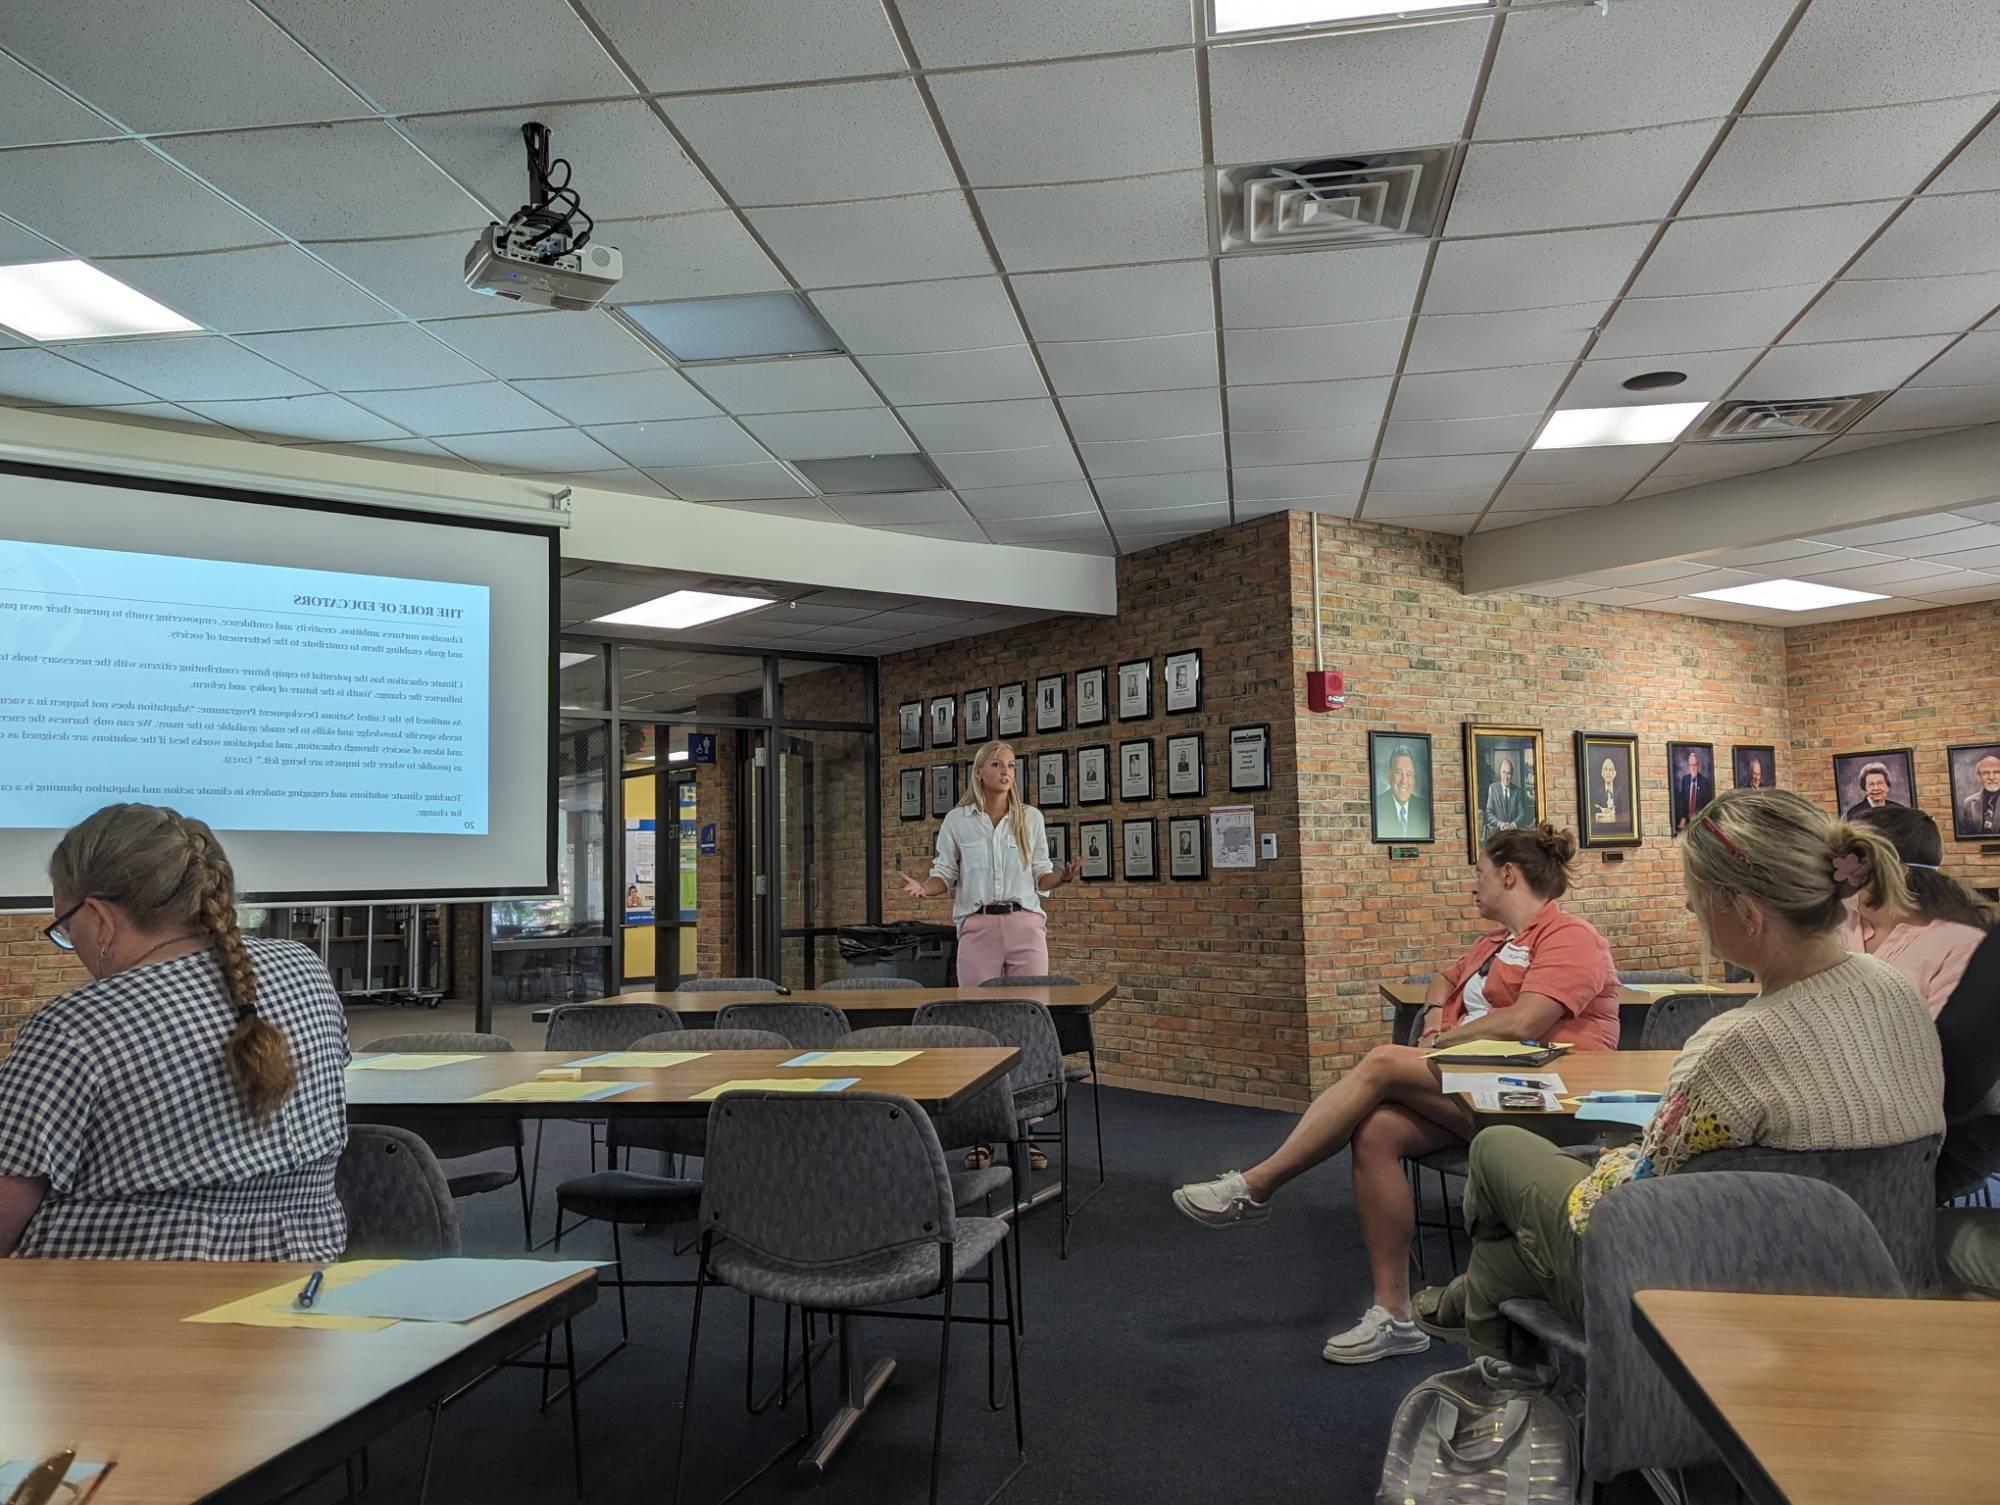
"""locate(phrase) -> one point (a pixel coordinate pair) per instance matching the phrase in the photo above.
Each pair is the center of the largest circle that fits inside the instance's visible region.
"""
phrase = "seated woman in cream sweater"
(1837, 1053)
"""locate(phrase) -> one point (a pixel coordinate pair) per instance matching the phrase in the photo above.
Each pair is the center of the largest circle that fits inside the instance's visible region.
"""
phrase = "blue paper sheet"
(1638, 1115)
(446, 1290)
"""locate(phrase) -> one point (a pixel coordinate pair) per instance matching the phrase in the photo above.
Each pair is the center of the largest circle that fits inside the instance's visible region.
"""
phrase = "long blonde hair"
(1017, 808)
(1789, 858)
(167, 871)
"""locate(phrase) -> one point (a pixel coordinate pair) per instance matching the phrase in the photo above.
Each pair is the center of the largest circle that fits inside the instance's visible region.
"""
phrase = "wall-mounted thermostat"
(1268, 845)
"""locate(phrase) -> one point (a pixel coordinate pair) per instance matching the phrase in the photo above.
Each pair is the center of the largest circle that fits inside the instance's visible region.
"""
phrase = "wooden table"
(94, 1355)
(1582, 1071)
(1822, 1400)
(934, 1079)
(1408, 999)
(1085, 998)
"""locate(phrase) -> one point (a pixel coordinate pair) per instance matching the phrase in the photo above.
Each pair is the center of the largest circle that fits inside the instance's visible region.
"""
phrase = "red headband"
(1728, 845)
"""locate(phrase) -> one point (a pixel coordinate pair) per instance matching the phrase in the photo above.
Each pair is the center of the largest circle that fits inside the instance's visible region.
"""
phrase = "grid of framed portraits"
(1140, 841)
(978, 716)
(910, 795)
(1187, 769)
(1135, 769)
(1058, 841)
(1182, 677)
(1049, 707)
(1093, 845)
(1400, 789)
(1607, 791)
(944, 788)
(944, 721)
(1503, 769)
(1092, 708)
(910, 726)
(1187, 847)
(1135, 690)
(1052, 779)
(1754, 767)
(1093, 774)
(1870, 780)
(1010, 710)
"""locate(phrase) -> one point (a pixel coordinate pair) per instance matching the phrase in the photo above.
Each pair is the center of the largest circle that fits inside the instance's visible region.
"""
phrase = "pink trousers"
(1002, 945)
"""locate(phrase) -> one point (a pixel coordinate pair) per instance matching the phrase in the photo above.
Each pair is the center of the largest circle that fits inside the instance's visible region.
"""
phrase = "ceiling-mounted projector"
(541, 255)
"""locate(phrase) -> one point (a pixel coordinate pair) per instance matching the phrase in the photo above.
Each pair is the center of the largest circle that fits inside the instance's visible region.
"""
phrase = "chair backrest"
(436, 1043)
(1721, 1232)
(684, 1136)
(820, 1179)
(395, 1197)
(1672, 1021)
(809, 1026)
(606, 1026)
(453, 1138)
(1969, 1033)
(1020, 1022)
(1041, 980)
(1656, 974)
(1894, 1186)
(867, 984)
(727, 985)
(986, 1118)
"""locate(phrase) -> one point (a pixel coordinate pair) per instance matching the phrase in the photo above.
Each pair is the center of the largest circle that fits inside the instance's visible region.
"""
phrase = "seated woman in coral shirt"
(1931, 937)
(1542, 975)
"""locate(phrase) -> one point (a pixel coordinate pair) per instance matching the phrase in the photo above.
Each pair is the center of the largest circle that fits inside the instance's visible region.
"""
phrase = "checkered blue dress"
(116, 1093)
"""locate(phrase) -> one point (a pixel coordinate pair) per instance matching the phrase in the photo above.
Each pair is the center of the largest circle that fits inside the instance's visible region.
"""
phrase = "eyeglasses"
(58, 931)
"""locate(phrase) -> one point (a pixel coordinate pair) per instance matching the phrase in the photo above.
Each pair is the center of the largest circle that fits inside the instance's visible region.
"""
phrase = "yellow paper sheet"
(650, 1058)
(1668, 989)
(404, 1062)
(856, 1058)
(278, 1307)
(542, 1092)
(1490, 1049)
(781, 1084)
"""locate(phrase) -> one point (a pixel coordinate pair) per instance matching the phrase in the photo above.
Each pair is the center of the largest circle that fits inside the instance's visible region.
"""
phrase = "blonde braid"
(256, 1056)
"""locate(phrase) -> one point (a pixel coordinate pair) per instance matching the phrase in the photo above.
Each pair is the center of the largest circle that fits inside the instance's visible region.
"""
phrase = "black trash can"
(914, 949)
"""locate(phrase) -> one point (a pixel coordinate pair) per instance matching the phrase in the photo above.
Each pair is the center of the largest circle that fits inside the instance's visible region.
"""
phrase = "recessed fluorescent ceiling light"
(1265, 15)
(684, 609)
(734, 329)
(1788, 595)
(1579, 428)
(867, 475)
(69, 300)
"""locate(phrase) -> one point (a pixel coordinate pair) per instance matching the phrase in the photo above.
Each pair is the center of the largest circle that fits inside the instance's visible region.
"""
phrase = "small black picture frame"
(978, 718)
(1754, 765)
(1187, 848)
(1608, 802)
(1093, 774)
(1139, 841)
(1851, 791)
(910, 726)
(1093, 706)
(1187, 766)
(1057, 834)
(944, 788)
(1010, 710)
(1689, 793)
(943, 721)
(1180, 678)
(1975, 791)
(1135, 769)
(1250, 757)
(1135, 690)
(910, 804)
(1050, 693)
(1093, 845)
(1052, 780)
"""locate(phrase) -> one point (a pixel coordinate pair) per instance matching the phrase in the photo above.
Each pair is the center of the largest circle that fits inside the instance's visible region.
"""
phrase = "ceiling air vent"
(1788, 418)
(1332, 201)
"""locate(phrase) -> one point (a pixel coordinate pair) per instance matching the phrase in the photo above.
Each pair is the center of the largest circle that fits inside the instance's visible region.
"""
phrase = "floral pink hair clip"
(1847, 868)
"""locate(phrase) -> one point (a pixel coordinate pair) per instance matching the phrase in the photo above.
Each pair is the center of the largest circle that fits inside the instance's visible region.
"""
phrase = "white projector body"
(499, 266)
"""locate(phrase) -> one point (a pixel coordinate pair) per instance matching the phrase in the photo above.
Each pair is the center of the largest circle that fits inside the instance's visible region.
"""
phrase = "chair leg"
(430, 1452)
(687, 1389)
(1414, 1174)
(535, 1173)
(1062, 1133)
(1450, 1224)
(527, 1207)
(944, 1373)
(992, 1340)
(618, 1258)
(575, 1412)
(1014, 1352)
(1017, 1161)
(1097, 1109)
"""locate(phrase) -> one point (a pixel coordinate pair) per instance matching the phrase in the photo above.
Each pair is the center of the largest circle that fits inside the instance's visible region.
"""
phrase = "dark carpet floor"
(1163, 1363)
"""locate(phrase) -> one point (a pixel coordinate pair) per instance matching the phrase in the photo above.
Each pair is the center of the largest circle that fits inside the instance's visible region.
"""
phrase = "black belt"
(1010, 907)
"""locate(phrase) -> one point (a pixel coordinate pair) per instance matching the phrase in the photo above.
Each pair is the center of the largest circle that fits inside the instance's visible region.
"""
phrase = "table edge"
(1742, 1462)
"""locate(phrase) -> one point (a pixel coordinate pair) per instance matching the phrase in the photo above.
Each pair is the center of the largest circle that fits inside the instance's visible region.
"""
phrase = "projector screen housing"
(360, 699)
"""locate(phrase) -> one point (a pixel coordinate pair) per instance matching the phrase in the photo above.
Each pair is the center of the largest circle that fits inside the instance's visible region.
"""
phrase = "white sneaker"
(1378, 1335)
(1221, 1202)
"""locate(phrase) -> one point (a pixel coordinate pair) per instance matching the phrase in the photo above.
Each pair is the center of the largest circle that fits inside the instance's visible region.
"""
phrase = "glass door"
(822, 794)
(686, 836)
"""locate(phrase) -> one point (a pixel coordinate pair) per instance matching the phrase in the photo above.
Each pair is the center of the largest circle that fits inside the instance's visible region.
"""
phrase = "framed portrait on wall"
(944, 721)
(1140, 840)
(1250, 757)
(1010, 710)
(1187, 768)
(1052, 779)
(1058, 838)
(1869, 780)
(910, 805)
(1093, 774)
(1754, 767)
(1607, 813)
(1092, 709)
(1975, 791)
(1187, 847)
(1690, 781)
(1135, 690)
(1399, 781)
(910, 726)
(1049, 703)
(1503, 772)
(1135, 769)
(978, 716)
(1182, 674)
(944, 788)
(1093, 845)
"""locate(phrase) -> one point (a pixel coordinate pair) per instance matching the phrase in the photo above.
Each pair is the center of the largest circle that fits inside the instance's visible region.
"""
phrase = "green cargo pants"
(1517, 1211)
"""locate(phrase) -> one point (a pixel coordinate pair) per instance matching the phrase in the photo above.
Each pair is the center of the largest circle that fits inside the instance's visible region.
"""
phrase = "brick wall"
(1921, 680)
(31, 971)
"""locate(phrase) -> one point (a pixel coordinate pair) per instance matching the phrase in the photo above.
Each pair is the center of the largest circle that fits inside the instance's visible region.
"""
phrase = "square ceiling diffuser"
(862, 475)
(734, 329)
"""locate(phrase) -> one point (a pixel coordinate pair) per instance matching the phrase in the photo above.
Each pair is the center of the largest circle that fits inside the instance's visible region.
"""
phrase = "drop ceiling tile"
(680, 45)
(1832, 559)
(1878, 576)
(1523, 271)
(1973, 362)
(900, 508)
(626, 162)
(1283, 291)
(1985, 512)
(540, 452)
(1936, 237)
(1153, 457)
(1070, 122)
(766, 481)
(1702, 321)
(1414, 438)
(1024, 530)
(802, 508)
(1459, 523)
(420, 276)
(1667, 570)
(188, 368)
(1600, 383)
(1145, 415)
(20, 245)
(1494, 520)
(1047, 499)
(964, 33)
(1156, 363)
(1742, 251)
(1390, 506)
(477, 408)
(1924, 591)
(633, 397)
(1008, 467)
(684, 256)
(1985, 559)
(366, 357)
(1768, 554)
(1852, 443)
(1789, 161)
(797, 384)
(1848, 53)
(827, 436)
(35, 113)
(1563, 71)
(335, 420)
(957, 376)
(29, 375)
(1329, 352)
(1118, 302)
(1201, 488)
(1573, 496)
(1977, 168)
(264, 287)
(1568, 181)
(1919, 537)
(1351, 441)
(881, 240)
(817, 145)
(1329, 506)
(304, 180)
(1295, 98)
(1088, 224)
(1885, 309)
(137, 205)
(952, 427)
(547, 344)
(1691, 464)
(1098, 543)
(1933, 407)
(1522, 337)
(1179, 520)
(1840, 367)
(631, 482)
(965, 530)
(970, 313)
(1443, 473)
(1477, 394)
(1625, 463)
(1301, 405)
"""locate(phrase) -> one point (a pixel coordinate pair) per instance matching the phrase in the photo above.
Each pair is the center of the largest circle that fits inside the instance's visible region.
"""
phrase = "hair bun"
(1558, 843)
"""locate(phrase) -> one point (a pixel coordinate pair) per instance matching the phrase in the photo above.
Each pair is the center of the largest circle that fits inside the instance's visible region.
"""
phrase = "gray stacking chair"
(1447, 1162)
(1727, 1231)
(1672, 1021)
(867, 984)
(455, 1138)
(840, 1204)
(1076, 1033)
(598, 1026)
(727, 985)
(808, 1026)
(683, 1136)
(394, 1193)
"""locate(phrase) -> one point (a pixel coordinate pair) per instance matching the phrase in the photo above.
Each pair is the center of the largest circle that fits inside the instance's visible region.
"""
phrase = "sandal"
(1036, 1159)
(1440, 1310)
(979, 1157)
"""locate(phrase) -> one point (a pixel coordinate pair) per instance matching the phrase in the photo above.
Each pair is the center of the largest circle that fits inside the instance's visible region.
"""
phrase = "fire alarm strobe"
(1325, 690)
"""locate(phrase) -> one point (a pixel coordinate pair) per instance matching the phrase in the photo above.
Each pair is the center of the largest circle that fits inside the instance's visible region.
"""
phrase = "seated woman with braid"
(1836, 1053)
(190, 1103)
(1542, 974)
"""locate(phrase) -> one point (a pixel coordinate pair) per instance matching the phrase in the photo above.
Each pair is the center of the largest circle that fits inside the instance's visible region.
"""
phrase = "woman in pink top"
(1931, 939)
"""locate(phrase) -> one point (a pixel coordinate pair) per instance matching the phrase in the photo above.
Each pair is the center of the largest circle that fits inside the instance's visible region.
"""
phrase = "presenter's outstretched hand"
(913, 888)
(1072, 870)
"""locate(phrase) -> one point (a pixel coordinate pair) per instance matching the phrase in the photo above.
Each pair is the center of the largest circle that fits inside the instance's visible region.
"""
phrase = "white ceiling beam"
(1893, 481)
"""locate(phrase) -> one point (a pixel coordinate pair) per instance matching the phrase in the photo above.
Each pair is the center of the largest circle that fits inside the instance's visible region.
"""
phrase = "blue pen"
(1525, 1081)
(311, 1293)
